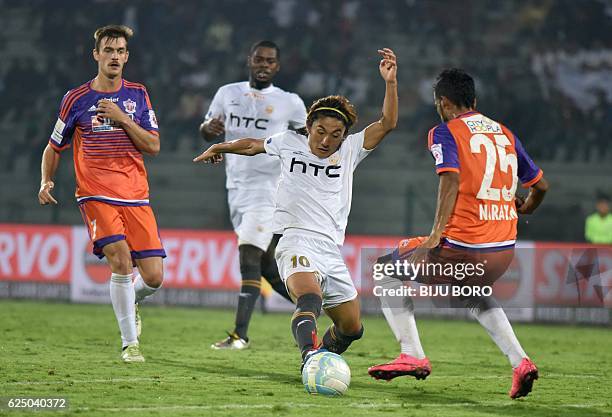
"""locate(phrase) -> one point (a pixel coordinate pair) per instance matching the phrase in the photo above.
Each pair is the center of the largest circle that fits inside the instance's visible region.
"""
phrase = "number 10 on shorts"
(302, 260)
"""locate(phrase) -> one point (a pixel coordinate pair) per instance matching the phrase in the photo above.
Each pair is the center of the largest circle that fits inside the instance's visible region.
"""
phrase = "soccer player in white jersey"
(312, 207)
(257, 109)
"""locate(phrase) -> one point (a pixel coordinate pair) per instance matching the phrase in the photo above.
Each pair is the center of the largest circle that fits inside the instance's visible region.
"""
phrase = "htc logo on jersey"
(329, 170)
(240, 121)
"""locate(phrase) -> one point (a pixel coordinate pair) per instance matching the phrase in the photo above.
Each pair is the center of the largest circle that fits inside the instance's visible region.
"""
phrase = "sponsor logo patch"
(105, 125)
(481, 124)
(436, 152)
(58, 131)
(129, 106)
(153, 119)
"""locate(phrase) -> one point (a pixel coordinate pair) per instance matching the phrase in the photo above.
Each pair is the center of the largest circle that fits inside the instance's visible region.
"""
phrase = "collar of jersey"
(264, 91)
(105, 92)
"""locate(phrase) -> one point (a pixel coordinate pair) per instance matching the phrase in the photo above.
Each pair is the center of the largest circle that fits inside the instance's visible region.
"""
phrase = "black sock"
(304, 321)
(250, 269)
(269, 269)
(336, 342)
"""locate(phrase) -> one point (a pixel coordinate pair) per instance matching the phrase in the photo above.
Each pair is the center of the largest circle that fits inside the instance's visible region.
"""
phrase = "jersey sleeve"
(297, 119)
(355, 142)
(272, 145)
(61, 136)
(148, 121)
(528, 172)
(215, 110)
(443, 149)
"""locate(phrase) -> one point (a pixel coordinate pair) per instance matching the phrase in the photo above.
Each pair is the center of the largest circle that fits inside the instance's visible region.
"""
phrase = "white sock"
(142, 290)
(495, 321)
(122, 297)
(400, 317)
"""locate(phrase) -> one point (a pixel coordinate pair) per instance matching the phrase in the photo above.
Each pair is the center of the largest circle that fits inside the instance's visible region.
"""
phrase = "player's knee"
(153, 279)
(250, 261)
(476, 304)
(353, 329)
(118, 257)
(120, 263)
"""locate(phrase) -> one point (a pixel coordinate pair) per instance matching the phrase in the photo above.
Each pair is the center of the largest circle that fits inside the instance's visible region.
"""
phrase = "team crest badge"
(130, 106)
(269, 109)
(334, 159)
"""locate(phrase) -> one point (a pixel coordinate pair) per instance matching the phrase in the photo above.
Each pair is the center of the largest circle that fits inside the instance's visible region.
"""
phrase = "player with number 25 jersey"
(490, 159)
(479, 162)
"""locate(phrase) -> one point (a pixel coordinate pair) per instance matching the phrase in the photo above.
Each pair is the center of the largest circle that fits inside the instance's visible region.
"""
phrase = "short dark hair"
(112, 32)
(456, 85)
(265, 44)
(338, 107)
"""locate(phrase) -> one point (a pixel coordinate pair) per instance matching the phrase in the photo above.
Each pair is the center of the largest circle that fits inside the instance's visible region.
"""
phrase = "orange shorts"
(493, 262)
(108, 223)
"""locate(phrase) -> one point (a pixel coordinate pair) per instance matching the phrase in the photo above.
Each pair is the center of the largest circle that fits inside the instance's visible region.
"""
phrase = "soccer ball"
(326, 373)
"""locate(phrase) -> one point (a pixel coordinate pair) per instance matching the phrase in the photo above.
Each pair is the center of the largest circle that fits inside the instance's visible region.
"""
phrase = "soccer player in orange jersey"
(111, 123)
(479, 162)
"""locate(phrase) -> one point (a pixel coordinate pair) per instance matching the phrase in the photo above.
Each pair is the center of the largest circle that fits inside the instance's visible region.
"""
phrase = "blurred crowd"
(544, 67)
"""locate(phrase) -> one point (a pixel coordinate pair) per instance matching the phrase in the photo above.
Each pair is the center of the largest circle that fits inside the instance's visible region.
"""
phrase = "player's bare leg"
(123, 297)
(304, 287)
(347, 326)
(146, 283)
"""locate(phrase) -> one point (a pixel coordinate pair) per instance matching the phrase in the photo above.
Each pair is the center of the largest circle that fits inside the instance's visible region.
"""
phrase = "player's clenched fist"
(44, 195)
(213, 127)
(109, 110)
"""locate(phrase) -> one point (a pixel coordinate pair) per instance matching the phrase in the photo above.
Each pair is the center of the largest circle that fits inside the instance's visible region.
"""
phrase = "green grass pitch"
(72, 351)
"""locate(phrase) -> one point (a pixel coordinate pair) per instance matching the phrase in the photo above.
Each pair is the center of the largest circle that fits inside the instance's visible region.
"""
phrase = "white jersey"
(251, 113)
(315, 194)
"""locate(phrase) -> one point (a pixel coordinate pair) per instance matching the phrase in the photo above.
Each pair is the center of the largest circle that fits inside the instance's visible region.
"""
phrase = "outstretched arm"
(247, 146)
(375, 132)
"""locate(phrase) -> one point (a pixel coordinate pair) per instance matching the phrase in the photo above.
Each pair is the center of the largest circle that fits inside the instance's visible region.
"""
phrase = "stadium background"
(542, 67)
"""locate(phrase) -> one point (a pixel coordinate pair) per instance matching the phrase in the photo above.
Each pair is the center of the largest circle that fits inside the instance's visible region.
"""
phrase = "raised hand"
(388, 65)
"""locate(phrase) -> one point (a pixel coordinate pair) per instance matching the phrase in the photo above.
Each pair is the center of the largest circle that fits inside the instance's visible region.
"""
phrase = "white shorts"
(252, 213)
(303, 251)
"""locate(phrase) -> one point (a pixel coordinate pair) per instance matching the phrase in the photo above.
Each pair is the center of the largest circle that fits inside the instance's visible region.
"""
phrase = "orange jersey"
(490, 161)
(107, 164)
